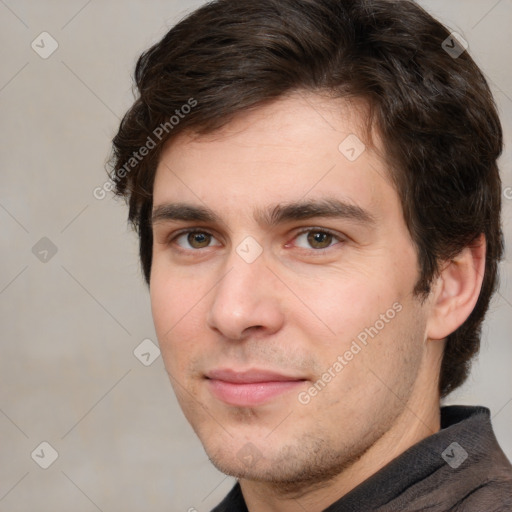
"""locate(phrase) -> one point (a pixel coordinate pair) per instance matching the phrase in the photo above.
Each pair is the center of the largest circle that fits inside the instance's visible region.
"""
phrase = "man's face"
(281, 289)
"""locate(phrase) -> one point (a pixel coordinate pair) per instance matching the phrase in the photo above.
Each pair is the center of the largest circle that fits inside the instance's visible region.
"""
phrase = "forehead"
(304, 146)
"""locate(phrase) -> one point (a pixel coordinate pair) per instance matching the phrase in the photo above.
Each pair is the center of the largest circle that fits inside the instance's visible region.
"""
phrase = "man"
(315, 188)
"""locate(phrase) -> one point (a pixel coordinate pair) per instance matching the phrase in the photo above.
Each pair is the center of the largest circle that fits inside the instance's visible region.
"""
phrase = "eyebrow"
(270, 216)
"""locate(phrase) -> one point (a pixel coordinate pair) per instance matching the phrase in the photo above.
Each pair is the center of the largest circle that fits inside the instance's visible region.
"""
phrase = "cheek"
(174, 306)
(342, 308)
(371, 323)
(164, 299)
(393, 349)
(173, 294)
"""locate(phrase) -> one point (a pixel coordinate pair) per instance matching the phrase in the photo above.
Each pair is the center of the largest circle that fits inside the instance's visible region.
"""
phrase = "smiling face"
(281, 289)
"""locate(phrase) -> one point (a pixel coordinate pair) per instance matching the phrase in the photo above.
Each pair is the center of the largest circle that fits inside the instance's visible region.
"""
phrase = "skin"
(297, 307)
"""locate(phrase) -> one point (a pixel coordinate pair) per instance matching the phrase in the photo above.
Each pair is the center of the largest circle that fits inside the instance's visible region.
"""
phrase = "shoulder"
(493, 496)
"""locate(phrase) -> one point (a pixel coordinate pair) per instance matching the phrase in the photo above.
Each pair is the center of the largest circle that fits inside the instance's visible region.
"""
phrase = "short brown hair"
(433, 110)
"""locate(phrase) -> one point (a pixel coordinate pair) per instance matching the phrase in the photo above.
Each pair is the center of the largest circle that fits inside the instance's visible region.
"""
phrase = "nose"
(246, 301)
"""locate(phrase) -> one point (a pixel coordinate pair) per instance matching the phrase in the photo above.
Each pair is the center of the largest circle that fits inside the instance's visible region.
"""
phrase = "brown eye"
(319, 239)
(193, 240)
(199, 240)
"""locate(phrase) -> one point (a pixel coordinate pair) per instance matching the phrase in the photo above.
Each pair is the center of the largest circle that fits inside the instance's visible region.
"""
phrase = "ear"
(456, 290)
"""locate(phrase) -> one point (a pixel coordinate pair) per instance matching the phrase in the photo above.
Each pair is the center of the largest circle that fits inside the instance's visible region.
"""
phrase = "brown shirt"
(461, 468)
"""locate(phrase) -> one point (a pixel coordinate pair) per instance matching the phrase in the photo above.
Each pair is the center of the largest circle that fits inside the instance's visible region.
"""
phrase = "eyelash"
(336, 238)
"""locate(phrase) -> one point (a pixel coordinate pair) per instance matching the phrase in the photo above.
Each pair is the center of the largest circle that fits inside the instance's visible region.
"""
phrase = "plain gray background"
(70, 321)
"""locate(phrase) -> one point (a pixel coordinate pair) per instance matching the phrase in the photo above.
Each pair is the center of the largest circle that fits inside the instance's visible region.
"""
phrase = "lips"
(250, 388)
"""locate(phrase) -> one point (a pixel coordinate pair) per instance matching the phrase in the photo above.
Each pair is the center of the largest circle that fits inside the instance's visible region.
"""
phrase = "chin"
(305, 463)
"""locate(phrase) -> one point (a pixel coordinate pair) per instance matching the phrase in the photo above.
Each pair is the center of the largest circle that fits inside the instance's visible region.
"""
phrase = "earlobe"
(456, 290)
